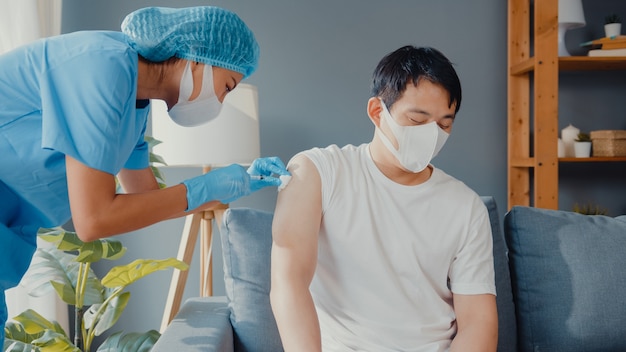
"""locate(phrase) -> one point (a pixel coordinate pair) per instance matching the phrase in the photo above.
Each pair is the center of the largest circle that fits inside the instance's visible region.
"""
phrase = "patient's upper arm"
(297, 222)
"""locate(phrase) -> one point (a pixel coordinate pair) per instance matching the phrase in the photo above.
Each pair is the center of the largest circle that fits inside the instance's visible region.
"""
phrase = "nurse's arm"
(295, 231)
(98, 211)
(137, 181)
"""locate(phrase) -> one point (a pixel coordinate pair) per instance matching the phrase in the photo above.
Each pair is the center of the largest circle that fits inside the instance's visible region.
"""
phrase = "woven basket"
(609, 142)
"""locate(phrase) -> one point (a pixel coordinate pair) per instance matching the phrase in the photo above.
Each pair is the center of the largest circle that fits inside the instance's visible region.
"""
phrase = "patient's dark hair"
(412, 64)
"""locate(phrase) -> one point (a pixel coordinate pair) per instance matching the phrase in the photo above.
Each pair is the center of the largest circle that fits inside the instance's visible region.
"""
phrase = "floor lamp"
(231, 138)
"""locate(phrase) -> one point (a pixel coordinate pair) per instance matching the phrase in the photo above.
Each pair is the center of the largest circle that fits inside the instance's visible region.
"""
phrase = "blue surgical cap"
(206, 34)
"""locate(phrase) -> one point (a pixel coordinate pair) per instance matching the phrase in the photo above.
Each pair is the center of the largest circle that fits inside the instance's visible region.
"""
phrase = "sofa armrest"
(202, 324)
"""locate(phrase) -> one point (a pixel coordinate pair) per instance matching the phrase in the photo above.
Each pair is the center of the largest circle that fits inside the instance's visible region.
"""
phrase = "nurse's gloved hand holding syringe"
(262, 173)
(233, 182)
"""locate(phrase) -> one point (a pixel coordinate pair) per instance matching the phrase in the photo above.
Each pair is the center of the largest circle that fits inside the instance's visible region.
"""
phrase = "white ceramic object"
(569, 135)
(582, 149)
(612, 29)
(560, 149)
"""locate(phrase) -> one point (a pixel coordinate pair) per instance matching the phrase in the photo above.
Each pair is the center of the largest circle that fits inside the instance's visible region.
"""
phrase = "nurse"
(73, 113)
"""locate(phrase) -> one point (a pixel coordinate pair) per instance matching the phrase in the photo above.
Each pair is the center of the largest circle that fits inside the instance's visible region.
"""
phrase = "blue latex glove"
(266, 168)
(225, 184)
(233, 182)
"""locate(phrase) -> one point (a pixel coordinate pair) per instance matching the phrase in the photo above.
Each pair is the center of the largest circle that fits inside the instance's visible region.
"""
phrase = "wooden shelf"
(575, 63)
(602, 159)
(585, 63)
(533, 102)
(530, 162)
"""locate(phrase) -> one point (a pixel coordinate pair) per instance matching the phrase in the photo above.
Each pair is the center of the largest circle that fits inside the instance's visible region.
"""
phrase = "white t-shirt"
(390, 255)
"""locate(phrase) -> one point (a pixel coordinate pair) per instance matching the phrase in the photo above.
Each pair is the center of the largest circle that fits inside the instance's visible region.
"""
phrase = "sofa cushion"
(246, 236)
(507, 328)
(201, 324)
(568, 272)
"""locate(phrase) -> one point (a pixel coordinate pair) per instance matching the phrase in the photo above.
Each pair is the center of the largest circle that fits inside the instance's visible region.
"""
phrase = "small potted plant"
(590, 209)
(582, 145)
(612, 25)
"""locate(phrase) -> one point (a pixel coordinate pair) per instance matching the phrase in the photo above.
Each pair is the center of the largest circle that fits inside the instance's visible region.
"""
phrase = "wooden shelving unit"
(541, 161)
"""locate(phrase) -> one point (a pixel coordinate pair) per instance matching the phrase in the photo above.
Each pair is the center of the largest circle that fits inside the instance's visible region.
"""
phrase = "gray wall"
(313, 80)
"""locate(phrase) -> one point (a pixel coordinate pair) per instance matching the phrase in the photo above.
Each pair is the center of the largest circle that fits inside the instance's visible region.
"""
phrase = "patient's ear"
(374, 108)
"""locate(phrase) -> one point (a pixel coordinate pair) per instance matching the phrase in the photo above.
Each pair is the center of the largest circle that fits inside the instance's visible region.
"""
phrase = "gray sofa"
(560, 278)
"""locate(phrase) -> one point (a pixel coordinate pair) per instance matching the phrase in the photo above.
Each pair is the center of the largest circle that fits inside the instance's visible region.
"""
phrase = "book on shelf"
(617, 42)
(607, 52)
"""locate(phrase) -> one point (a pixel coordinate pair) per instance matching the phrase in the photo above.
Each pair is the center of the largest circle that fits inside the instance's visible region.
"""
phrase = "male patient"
(374, 248)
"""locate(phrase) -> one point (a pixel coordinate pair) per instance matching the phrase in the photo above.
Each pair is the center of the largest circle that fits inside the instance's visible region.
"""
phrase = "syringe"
(284, 180)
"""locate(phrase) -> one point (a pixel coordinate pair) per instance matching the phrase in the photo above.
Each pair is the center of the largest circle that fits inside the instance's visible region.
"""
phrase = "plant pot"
(582, 149)
(612, 29)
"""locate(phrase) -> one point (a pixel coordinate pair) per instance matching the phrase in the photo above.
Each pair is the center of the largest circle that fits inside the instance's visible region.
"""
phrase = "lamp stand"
(563, 28)
(200, 221)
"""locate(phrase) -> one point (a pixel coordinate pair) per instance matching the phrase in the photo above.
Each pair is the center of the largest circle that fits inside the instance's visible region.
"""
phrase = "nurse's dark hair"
(411, 64)
(160, 68)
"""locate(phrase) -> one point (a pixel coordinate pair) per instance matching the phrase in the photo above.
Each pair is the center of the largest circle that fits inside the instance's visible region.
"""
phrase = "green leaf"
(101, 249)
(157, 159)
(63, 240)
(15, 331)
(18, 346)
(151, 141)
(157, 172)
(121, 276)
(34, 323)
(131, 342)
(45, 340)
(47, 265)
(111, 315)
(88, 252)
(52, 265)
(92, 294)
(66, 292)
(54, 342)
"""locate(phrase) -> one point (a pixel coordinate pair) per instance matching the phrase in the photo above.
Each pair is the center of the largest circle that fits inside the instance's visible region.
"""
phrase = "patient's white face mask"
(417, 145)
(204, 108)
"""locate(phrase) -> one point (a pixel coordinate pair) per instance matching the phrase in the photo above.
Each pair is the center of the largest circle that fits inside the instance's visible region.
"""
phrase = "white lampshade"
(230, 138)
(571, 16)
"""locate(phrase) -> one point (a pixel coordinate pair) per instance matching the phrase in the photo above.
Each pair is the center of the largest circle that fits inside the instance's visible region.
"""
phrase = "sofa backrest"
(569, 279)
(246, 238)
(507, 325)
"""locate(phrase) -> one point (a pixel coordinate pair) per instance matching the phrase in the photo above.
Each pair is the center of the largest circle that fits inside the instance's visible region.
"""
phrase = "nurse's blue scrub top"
(73, 95)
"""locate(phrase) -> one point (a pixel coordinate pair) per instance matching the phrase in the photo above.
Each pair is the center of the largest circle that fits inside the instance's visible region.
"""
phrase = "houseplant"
(612, 25)
(582, 145)
(66, 268)
(590, 209)
(98, 304)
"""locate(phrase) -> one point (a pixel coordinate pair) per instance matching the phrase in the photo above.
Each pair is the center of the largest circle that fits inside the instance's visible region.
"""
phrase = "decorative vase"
(612, 29)
(569, 135)
(582, 149)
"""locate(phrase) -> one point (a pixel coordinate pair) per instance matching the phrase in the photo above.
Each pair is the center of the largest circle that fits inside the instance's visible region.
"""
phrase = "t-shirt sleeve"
(326, 167)
(87, 102)
(472, 271)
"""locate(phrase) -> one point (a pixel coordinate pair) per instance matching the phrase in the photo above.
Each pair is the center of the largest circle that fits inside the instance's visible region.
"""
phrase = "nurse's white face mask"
(417, 145)
(204, 108)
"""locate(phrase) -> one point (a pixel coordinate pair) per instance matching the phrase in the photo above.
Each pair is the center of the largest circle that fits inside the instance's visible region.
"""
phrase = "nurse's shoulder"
(85, 43)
